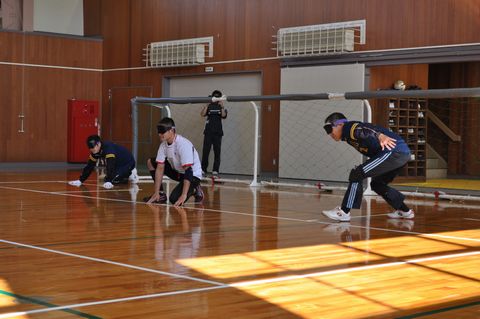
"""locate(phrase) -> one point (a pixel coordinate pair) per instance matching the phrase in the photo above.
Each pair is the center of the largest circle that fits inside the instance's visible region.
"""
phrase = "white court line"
(240, 284)
(315, 221)
(30, 182)
(474, 219)
(105, 261)
(353, 269)
(95, 190)
(95, 303)
(289, 192)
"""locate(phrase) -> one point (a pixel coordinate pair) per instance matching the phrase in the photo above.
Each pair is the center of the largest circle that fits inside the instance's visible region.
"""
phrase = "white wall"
(239, 127)
(306, 151)
(11, 15)
(58, 16)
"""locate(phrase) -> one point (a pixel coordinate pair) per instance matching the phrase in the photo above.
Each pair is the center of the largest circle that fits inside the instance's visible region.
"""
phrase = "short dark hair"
(93, 140)
(167, 121)
(165, 125)
(334, 117)
(216, 93)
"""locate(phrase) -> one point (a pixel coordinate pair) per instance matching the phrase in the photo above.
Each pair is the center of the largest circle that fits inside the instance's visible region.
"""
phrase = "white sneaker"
(133, 190)
(400, 214)
(133, 178)
(402, 224)
(337, 228)
(337, 214)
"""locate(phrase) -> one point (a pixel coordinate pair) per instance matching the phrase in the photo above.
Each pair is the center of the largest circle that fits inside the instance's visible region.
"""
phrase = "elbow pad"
(189, 174)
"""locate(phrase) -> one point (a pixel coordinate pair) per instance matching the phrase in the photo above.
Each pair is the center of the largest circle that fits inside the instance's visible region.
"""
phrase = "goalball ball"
(399, 85)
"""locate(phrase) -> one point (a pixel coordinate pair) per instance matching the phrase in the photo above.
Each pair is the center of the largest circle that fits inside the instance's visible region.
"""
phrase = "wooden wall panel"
(383, 77)
(116, 34)
(41, 94)
(11, 46)
(464, 119)
(50, 50)
(242, 29)
(63, 51)
(45, 111)
(10, 99)
(461, 115)
(92, 19)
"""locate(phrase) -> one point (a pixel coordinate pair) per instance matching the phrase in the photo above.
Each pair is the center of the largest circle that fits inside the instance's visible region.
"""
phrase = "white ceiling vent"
(178, 52)
(331, 38)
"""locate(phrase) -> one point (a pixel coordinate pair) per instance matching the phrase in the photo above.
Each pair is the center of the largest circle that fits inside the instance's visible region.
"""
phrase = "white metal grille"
(178, 52)
(332, 38)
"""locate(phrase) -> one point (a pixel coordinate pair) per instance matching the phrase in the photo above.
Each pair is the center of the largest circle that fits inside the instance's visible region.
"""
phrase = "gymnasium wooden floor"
(86, 252)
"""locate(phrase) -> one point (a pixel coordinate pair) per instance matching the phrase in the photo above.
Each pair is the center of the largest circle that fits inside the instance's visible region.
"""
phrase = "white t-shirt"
(180, 154)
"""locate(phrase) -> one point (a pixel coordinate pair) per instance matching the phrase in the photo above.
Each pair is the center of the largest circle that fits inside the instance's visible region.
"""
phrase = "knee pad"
(375, 184)
(356, 175)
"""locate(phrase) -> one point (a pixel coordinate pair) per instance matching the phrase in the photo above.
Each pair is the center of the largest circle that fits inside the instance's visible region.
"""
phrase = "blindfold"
(92, 143)
(162, 129)
(329, 126)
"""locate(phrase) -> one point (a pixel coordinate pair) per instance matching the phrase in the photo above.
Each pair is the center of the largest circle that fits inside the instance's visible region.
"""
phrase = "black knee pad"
(375, 185)
(356, 175)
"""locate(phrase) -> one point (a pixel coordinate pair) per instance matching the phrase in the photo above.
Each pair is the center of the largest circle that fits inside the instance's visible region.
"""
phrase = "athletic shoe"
(161, 200)
(133, 190)
(133, 178)
(337, 214)
(215, 175)
(402, 224)
(338, 228)
(198, 194)
(400, 214)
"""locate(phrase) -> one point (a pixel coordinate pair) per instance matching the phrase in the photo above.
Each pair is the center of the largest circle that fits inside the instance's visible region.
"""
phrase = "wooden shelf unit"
(408, 118)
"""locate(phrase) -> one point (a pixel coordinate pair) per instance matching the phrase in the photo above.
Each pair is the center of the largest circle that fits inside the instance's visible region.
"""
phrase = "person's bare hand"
(386, 141)
(181, 200)
(155, 197)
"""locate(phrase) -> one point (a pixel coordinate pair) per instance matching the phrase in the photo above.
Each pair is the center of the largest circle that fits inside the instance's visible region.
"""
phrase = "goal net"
(238, 142)
(434, 123)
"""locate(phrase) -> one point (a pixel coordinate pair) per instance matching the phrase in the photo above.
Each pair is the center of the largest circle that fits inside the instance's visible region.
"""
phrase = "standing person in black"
(215, 112)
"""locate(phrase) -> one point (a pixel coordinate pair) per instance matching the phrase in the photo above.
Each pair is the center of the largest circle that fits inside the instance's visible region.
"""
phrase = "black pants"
(382, 169)
(122, 173)
(208, 141)
(179, 177)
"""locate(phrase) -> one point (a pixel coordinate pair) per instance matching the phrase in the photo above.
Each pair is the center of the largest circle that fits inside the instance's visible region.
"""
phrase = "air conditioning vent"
(179, 52)
(333, 38)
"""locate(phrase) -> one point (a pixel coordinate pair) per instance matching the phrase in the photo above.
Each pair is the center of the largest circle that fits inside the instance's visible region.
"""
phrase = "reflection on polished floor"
(71, 252)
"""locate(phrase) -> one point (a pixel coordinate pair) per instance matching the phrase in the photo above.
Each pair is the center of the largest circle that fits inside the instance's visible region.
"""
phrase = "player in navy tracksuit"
(387, 153)
(120, 163)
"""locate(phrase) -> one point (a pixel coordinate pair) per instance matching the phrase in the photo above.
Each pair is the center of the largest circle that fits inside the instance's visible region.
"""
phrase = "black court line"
(441, 310)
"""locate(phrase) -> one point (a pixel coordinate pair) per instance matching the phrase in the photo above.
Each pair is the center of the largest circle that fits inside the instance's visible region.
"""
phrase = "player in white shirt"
(178, 159)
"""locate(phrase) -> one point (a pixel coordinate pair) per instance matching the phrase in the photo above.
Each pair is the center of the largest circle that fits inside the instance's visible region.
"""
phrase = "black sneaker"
(161, 200)
(198, 194)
